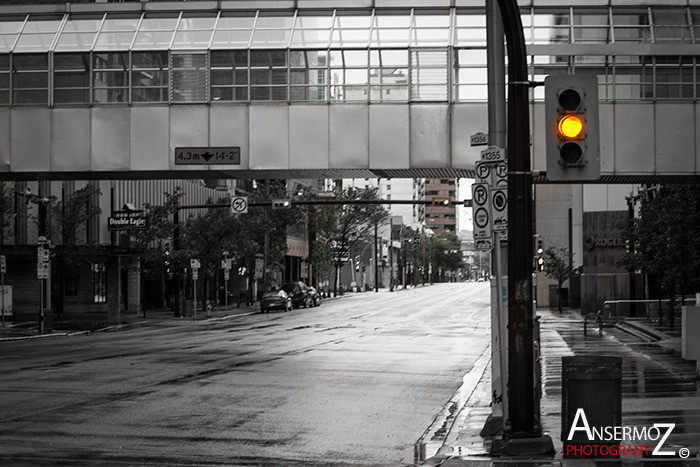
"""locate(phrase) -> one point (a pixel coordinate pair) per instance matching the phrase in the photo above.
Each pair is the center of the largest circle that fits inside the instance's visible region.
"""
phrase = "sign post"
(43, 267)
(195, 265)
(226, 266)
(482, 216)
(3, 270)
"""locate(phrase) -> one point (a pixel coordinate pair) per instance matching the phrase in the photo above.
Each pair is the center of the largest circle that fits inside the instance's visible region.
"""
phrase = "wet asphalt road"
(356, 381)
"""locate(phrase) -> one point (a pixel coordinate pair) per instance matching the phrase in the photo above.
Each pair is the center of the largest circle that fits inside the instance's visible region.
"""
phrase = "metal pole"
(2, 276)
(376, 258)
(521, 421)
(195, 298)
(495, 56)
(41, 305)
(391, 255)
(266, 247)
(176, 269)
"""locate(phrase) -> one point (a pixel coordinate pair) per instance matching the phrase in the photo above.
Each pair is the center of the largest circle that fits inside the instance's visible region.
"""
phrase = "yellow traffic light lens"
(570, 126)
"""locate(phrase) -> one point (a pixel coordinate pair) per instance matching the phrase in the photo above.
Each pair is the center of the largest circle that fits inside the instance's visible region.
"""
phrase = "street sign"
(493, 154)
(481, 207)
(499, 209)
(500, 175)
(195, 264)
(483, 244)
(127, 223)
(239, 205)
(483, 172)
(3, 265)
(205, 156)
(42, 263)
(479, 139)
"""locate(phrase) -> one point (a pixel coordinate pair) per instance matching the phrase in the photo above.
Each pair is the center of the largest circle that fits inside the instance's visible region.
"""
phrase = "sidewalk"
(83, 323)
(78, 323)
(658, 386)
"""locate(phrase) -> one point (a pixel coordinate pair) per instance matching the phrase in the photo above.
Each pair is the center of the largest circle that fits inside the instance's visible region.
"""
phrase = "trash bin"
(188, 308)
(592, 383)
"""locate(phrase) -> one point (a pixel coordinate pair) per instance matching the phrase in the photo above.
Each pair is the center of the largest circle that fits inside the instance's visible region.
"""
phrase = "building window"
(268, 75)
(229, 75)
(30, 79)
(99, 282)
(71, 78)
(110, 77)
(149, 77)
(189, 77)
(4, 79)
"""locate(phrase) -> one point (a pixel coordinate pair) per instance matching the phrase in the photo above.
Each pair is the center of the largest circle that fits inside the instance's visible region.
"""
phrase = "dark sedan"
(299, 293)
(277, 300)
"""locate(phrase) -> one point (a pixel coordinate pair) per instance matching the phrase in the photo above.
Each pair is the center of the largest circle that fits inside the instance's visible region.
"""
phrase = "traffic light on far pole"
(440, 201)
(167, 245)
(572, 127)
(281, 204)
(540, 264)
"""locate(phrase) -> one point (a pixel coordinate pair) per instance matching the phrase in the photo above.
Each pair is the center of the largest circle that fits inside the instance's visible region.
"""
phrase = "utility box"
(592, 383)
(690, 330)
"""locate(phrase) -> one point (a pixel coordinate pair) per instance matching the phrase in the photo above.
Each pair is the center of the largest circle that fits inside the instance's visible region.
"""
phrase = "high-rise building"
(441, 218)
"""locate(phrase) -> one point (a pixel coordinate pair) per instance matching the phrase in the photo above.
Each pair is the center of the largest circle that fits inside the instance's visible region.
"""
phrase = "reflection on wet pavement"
(657, 385)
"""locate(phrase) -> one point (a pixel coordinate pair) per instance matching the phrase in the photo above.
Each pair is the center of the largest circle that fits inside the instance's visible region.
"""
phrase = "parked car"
(299, 293)
(277, 300)
(315, 296)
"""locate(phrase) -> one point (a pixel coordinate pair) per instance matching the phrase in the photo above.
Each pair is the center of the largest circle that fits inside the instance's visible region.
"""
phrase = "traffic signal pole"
(523, 433)
(496, 69)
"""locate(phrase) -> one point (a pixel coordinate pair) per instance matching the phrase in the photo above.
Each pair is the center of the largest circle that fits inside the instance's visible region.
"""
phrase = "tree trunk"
(335, 278)
(559, 294)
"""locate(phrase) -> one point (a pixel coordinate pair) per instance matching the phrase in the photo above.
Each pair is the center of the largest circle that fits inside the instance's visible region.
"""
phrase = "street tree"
(445, 253)
(558, 266)
(71, 216)
(342, 226)
(666, 236)
(149, 241)
(7, 207)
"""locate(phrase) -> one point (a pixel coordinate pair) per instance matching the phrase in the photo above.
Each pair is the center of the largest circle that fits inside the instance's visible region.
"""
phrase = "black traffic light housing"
(572, 130)
(167, 250)
(441, 201)
(281, 204)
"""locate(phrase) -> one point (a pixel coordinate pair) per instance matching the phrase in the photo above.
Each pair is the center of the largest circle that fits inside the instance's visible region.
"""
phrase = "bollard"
(208, 308)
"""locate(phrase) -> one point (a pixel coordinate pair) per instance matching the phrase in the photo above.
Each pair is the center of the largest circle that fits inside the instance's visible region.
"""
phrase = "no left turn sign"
(239, 205)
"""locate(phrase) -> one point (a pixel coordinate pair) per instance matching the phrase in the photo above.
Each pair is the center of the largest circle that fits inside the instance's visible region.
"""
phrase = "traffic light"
(572, 127)
(539, 249)
(440, 201)
(281, 204)
(540, 263)
(167, 245)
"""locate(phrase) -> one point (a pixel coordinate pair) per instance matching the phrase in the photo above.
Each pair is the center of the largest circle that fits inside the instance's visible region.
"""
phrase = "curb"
(441, 433)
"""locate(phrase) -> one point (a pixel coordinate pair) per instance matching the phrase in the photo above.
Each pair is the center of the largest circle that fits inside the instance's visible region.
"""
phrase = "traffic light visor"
(570, 126)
